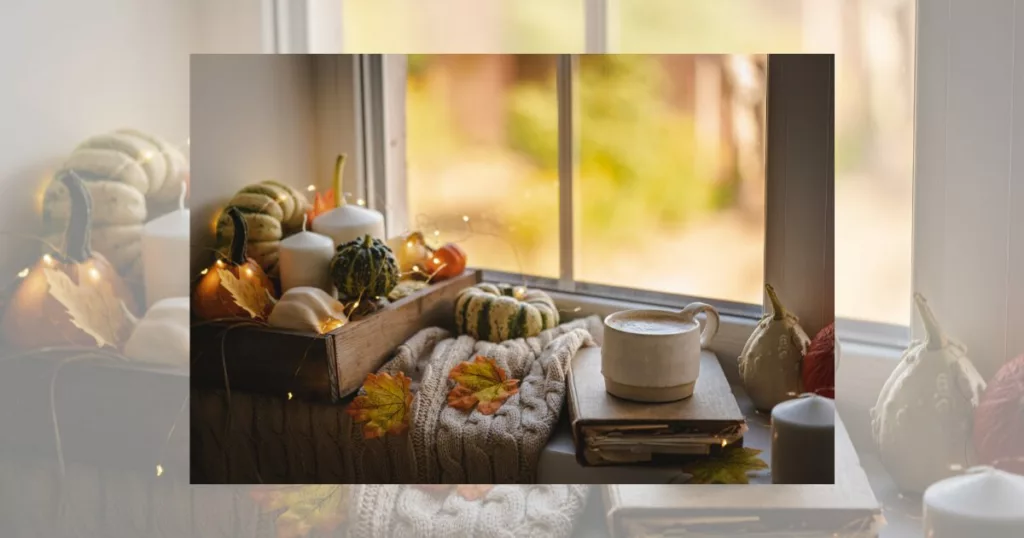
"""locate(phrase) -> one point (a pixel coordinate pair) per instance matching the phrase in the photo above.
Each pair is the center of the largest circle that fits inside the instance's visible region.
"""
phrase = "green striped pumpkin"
(364, 268)
(272, 211)
(503, 312)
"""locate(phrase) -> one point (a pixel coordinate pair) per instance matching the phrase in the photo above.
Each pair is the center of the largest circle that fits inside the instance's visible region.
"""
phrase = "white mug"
(654, 355)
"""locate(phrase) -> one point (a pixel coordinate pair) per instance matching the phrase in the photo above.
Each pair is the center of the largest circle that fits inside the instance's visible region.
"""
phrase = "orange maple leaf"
(480, 381)
(321, 204)
(470, 492)
(384, 408)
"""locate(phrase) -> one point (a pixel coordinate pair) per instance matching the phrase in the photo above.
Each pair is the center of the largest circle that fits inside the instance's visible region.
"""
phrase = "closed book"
(846, 509)
(608, 430)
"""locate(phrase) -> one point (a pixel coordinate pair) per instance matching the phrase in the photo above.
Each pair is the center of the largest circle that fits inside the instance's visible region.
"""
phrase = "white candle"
(347, 222)
(803, 441)
(985, 502)
(305, 260)
(165, 254)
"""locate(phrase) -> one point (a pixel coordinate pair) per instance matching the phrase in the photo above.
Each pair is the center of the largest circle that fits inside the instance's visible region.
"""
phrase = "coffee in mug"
(654, 355)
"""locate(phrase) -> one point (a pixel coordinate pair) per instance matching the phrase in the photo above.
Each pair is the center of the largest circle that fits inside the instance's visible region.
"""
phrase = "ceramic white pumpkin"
(923, 418)
(162, 335)
(308, 309)
(769, 365)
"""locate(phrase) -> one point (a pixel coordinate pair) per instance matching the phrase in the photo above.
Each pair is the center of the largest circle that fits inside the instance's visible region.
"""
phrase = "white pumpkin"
(162, 335)
(130, 176)
(308, 309)
(770, 362)
(923, 417)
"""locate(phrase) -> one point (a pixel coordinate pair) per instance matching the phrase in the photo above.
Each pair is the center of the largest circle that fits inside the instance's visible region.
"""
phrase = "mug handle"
(710, 325)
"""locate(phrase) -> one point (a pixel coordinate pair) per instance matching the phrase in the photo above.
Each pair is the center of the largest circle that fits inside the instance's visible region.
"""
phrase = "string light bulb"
(311, 188)
(248, 271)
(159, 469)
(47, 259)
(289, 395)
(220, 263)
(204, 271)
(437, 233)
(94, 273)
(23, 273)
(465, 218)
(360, 202)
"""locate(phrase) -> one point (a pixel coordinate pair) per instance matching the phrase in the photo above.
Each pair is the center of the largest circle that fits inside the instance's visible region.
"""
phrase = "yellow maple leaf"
(250, 295)
(306, 507)
(480, 383)
(93, 307)
(384, 408)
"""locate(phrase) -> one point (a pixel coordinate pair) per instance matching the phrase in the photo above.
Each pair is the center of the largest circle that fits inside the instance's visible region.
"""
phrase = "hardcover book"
(608, 430)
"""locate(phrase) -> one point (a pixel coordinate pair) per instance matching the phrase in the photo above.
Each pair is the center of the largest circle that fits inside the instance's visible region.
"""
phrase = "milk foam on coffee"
(650, 323)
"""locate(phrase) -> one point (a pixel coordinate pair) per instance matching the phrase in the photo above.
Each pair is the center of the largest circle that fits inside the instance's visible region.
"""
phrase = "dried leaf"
(306, 508)
(473, 492)
(249, 294)
(470, 492)
(480, 381)
(728, 467)
(93, 307)
(384, 408)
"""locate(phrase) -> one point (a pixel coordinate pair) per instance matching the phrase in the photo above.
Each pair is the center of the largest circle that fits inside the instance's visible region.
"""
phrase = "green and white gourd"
(499, 312)
(770, 362)
(364, 269)
(272, 211)
(131, 177)
(923, 419)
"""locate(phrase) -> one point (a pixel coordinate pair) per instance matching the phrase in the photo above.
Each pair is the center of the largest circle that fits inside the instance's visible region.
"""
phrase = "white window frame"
(799, 173)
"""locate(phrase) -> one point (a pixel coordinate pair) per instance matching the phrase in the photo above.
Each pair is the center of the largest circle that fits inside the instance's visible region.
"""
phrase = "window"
(591, 174)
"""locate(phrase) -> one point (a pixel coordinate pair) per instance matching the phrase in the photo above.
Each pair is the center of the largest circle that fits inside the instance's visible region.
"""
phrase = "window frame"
(795, 178)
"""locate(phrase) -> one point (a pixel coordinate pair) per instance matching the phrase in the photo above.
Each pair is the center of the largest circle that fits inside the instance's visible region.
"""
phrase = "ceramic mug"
(654, 355)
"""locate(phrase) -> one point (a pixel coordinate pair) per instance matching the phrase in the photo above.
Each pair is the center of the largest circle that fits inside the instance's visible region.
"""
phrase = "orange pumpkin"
(446, 262)
(211, 300)
(34, 318)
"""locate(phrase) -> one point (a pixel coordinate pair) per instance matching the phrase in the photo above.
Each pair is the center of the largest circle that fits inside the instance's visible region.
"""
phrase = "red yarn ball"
(819, 365)
(999, 419)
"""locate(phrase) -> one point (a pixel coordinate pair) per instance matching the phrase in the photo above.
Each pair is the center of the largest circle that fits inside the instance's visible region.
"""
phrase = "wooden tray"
(317, 367)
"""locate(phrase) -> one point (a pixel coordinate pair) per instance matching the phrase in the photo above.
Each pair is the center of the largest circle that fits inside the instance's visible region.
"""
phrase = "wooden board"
(847, 508)
(314, 367)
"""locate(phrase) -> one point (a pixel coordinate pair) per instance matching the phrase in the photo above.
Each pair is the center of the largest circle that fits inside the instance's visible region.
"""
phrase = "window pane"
(524, 26)
(671, 179)
(482, 142)
(874, 47)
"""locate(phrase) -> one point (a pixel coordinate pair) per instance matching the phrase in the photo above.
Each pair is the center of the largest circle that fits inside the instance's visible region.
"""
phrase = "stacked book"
(611, 431)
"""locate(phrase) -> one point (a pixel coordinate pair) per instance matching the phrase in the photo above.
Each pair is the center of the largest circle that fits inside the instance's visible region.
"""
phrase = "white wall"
(252, 120)
(72, 69)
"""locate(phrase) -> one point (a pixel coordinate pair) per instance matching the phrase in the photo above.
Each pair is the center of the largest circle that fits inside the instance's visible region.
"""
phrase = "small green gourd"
(364, 268)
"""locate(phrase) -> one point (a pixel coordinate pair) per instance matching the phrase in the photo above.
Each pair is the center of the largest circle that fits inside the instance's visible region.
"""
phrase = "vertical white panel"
(970, 292)
(800, 176)
(1015, 205)
(930, 154)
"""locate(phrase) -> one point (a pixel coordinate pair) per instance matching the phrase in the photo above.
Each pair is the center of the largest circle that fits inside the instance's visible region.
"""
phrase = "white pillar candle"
(165, 254)
(305, 260)
(983, 502)
(803, 441)
(348, 221)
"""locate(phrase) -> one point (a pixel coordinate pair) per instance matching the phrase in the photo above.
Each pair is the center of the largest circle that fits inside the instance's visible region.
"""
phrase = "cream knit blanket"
(446, 445)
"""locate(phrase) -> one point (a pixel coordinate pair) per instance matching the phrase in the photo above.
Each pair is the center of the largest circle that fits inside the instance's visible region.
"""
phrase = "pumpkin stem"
(77, 236)
(241, 237)
(780, 311)
(367, 241)
(935, 337)
(339, 195)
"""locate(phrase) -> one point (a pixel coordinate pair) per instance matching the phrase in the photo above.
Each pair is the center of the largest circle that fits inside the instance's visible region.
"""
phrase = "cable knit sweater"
(446, 445)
